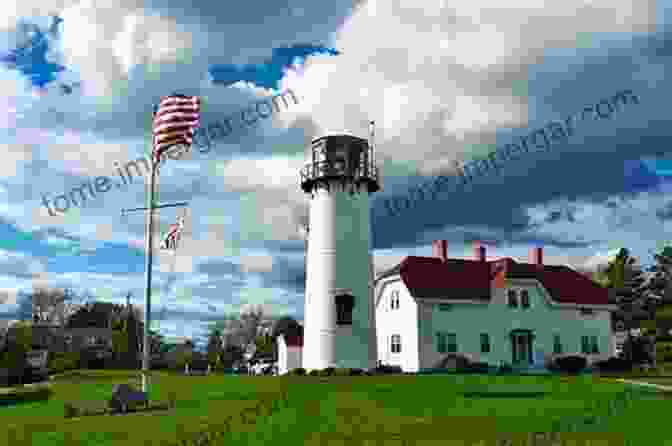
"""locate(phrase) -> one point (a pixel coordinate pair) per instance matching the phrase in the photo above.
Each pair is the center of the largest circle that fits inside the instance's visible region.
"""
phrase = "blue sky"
(444, 83)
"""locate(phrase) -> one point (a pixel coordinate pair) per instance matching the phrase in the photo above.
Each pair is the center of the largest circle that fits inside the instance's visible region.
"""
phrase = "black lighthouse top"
(344, 157)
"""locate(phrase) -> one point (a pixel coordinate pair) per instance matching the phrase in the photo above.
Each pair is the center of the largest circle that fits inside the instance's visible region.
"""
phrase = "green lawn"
(423, 410)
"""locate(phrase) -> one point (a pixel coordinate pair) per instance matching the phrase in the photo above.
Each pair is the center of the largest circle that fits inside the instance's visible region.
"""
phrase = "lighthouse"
(339, 317)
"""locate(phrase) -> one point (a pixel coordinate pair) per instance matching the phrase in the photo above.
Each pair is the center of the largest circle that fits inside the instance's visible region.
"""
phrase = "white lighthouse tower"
(339, 316)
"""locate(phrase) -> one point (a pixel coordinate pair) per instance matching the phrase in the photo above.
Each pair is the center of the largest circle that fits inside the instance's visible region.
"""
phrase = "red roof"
(429, 277)
(294, 341)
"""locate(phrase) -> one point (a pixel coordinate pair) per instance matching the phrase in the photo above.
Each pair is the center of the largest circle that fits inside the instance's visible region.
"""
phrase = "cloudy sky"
(444, 83)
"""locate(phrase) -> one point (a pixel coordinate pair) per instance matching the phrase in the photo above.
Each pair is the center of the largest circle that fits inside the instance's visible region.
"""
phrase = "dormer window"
(525, 299)
(394, 300)
(344, 305)
(512, 299)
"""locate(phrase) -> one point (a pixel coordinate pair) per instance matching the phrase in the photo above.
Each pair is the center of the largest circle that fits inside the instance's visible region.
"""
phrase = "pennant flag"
(174, 122)
(173, 235)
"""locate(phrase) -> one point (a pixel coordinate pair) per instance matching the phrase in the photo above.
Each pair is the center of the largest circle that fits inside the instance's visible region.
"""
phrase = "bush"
(356, 372)
(614, 364)
(70, 411)
(62, 362)
(505, 368)
(385, 369)
(300, 371)
(329, 371)
(314, 373)
(342, 372)
(569, 364)
(478, 367)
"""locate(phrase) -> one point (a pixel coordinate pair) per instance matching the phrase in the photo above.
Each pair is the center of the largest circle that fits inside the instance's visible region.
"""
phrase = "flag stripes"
(174, 122)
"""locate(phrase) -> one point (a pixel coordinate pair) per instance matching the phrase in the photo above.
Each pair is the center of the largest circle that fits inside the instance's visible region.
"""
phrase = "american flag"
(174, 122)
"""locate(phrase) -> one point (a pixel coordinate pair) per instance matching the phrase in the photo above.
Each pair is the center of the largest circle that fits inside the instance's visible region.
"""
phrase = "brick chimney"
(479, 252)
(537, 256)
(440, 250)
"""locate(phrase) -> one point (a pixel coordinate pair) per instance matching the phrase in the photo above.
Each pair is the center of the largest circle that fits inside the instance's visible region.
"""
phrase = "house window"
(451, 343)
(587, 312)
(525, 299)
(445, 307)
(585, 345)
(344, 306)
(593, 345)
(557, 345)
(485, 343)
(446, 342)
(395, 346)
(394, 300)
(513, 301)
(441, 343)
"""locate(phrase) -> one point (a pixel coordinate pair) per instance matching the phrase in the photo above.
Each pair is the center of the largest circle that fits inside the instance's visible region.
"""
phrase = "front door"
(521, 347)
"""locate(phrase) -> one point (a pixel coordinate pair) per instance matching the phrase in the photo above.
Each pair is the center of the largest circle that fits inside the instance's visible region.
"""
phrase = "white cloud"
(435, 78)
(256, 263)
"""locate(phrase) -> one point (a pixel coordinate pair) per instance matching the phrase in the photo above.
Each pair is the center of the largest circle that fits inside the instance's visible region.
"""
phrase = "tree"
(264, 346)
(231, 354)
(48, 306)
(287, 326)
(627, 286)
(252, 320)
(244, 329)
(214, 348)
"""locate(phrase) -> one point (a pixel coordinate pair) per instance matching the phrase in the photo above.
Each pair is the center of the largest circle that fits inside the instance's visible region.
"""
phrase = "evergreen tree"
(215, 346)
(627, 286)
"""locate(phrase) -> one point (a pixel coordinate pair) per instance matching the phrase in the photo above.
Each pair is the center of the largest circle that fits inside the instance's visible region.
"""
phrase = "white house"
(497, 311)
(289, 353)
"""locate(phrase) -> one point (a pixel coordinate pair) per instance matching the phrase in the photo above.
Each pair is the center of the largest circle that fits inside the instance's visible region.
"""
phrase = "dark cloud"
(288, 274)
(218, 268)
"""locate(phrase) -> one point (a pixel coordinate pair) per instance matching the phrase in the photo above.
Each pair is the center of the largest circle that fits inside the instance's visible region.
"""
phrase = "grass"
(390, 410)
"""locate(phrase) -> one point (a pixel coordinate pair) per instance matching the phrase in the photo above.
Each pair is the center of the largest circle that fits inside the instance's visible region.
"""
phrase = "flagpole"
(148, 275)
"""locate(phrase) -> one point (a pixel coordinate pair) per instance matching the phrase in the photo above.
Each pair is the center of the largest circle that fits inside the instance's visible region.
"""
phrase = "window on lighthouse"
(344, 306)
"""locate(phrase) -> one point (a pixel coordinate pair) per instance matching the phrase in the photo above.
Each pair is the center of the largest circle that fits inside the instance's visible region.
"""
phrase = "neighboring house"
(289, 353)
(500, 311)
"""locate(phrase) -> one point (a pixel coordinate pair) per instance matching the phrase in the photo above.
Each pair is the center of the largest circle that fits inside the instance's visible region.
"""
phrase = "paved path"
(642, 383)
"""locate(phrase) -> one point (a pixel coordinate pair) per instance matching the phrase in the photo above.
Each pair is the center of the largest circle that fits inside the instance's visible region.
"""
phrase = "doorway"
(521, 347)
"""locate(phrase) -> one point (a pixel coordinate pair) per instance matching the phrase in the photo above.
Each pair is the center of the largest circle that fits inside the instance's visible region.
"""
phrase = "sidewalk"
(642, 383)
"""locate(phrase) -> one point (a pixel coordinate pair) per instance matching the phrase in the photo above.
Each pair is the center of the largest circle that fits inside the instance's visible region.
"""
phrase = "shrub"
(356, 372)
(172, 400)
(505, 368)
(329, 371)
(385, 369)
(569, 364)
(300, 371)
(71, 411)
(62, 362)
(614, 364)
(477, 367)
(342, 372)
(314, 373)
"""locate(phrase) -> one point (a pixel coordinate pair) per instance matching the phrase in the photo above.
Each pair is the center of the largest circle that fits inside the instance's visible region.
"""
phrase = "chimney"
(537, 256)
(439, 250)
(479, 252)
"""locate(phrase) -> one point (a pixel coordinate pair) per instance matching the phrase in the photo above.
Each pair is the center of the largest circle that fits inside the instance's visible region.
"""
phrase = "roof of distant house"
(463, 279)
(293, 341)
